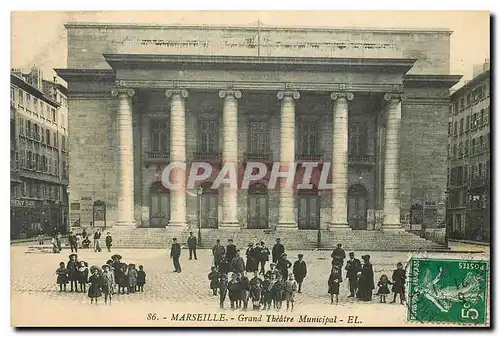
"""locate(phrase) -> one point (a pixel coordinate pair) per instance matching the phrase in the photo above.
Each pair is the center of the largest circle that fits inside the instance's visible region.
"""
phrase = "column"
(287, 158)
(230, 155)
(125, 214)
(178, 154)
(391, 164)
(340, 157)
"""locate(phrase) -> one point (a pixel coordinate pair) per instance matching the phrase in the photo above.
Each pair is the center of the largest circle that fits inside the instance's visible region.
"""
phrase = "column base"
(125, 224)
(339, 227)
(178, 226)
(229, 224)
(392, 228)
(286, 225)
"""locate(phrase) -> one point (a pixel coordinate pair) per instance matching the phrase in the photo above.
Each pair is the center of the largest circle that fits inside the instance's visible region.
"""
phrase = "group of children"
(398, 285)
(113, 277)
(263, 293)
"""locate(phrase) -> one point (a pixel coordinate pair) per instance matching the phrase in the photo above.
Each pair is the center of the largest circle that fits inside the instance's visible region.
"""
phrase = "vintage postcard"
(250, 169)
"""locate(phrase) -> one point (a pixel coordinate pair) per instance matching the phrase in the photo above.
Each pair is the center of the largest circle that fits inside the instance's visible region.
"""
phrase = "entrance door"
(209, 207)
(159, 209)
(356, 208)
(309, 209)
(257, 207)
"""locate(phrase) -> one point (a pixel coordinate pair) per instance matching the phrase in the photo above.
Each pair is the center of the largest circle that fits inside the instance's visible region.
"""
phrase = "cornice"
(446, 81)
(92, 75)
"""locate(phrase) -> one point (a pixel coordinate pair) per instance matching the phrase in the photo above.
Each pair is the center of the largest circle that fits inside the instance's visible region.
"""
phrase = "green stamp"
(453, 291)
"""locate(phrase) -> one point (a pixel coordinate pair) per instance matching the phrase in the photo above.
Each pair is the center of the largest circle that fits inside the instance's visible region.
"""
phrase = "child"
(213, 276)
(55, 248)
(256, 292)
(141, 279)
(72, 266)
(40, 238)
(334, 284)
(383, 288)
(290, 290)
(278, 289)
(109, 241)
(399, 278)
(95, 284)
(267, 296)
(86, 242)
(233, 286)
(62, 276)
(122, 278)
(132, 278)
(83, 276)
(223, 289)
(245, 290)
(108, 283)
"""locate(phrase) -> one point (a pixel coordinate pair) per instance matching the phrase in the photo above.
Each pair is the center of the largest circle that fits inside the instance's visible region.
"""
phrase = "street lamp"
(199, 192)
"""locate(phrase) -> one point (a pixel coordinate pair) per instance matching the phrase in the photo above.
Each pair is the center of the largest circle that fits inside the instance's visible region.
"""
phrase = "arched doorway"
(209, 206)
(308, 209)
(257, 210)
(356, 208)
(159, 207)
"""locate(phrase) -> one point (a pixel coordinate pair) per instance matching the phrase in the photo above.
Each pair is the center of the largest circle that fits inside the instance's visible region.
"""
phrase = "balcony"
(479, 182)
(258, 156)
(207, 156)
(308, 157)
(159, 157)
(362, 160)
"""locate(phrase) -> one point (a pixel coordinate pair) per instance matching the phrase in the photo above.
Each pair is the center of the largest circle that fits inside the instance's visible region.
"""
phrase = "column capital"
(123, 91)
(182, 92)
(394, 96)
(336, 95)
(226, 93)
(293, 94)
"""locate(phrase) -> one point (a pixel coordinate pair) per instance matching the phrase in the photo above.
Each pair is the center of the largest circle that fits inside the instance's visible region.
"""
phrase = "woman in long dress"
(366, 281)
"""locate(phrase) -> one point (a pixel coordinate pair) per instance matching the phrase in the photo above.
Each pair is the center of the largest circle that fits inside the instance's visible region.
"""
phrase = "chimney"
(55, 79)
(477, 69)
(486, 65)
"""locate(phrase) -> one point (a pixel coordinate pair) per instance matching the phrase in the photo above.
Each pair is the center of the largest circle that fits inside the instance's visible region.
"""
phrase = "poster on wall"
(86, 215)
(74, 214)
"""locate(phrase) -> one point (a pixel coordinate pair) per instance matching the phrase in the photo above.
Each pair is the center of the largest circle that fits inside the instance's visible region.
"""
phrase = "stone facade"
(378, 83)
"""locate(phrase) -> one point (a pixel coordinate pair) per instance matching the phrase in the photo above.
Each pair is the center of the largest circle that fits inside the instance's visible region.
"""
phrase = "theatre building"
(370, 103)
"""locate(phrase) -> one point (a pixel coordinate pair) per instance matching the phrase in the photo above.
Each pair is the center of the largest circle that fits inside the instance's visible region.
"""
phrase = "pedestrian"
(192, 246)
(122, 279)
(132, 278)
(383, 288)
(256, 291)
(399, 279)
(223, 267)
(283, 265)
(40, 237)
(141, 279)
(214, 277)
(96, 283)
(366, 283)
(233, 286)
(353, 267)
(175, 254)
(278, 250)
(108, 283)
(84, 233)
(230, 250)
(73, 244)
(289, 292)
(83, 276)
(55, 249)
(86, 242)
(263, 257)
(267, 292)
(97, 240)
(245, 290)
(78, 240)
(223, 289)
(72, 267)
(278, 289)
(58, 241)
(237, 264)
(300, 271)
(273, 272)
(218, 251)
(334, 284)
(338, 257)
(252, 264)
(62, 276)
(109, 241)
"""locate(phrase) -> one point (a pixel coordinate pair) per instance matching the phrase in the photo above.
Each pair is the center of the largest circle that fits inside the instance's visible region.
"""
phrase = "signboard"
(99, 211)
(86, 213)
(74, 214)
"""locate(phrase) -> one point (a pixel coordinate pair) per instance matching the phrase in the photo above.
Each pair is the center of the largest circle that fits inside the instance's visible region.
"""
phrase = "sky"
(47, 47)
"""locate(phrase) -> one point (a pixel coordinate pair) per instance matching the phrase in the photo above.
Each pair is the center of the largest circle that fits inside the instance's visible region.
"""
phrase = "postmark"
(448, 291)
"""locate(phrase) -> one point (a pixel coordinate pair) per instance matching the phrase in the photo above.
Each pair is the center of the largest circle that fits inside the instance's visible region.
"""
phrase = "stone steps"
(291, 239)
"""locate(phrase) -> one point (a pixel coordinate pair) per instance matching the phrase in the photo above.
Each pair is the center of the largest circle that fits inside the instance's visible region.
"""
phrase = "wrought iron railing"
(365, 160)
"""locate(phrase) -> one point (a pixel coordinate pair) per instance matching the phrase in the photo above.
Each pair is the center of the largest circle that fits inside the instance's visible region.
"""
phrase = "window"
(450, 109)
(461, 125)
(481, 145)
(28, 160)
(35, 105)
(63, 143)
(20, 121)
(56, 140)
(42, 134)
(47, 137)
(460, 150)
(465, 177)
(37, 132)
(467, 122)
(466, 149)
(461, 103)
(160, 141)
(449, 151)
(53, 113)
(471, 122)
(258, 207)
(28, 128)
(476, 120)
(455, 151)
(21, 97)
(473, 147)
(455, 128)
(208, 137)
(481, 118)
(22, 156)
(28, 100)
(37, 162)
(486, 117)
(308, 139)
(469, 99)
(258, 137)
(50, 166)
(450, 128)
(12, 94)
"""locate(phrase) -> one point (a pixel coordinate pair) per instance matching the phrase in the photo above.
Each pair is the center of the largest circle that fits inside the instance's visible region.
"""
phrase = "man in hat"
(192, 246)
(278, 250)
(338, 257)
(237, 264)
(252, 263)
(72, 267)
(175, 254)
(218, 251)
(366, 283)
(73, 243)
(300, 271)
(97, 240)
(263, 257)
(283, 265)
(353, 267)
(230, 250)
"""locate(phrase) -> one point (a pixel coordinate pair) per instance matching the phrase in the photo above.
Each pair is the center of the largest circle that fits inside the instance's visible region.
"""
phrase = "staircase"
(291, 239)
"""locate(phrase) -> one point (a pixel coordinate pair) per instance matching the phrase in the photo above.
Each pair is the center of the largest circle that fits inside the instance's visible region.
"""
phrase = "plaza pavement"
(36, 299)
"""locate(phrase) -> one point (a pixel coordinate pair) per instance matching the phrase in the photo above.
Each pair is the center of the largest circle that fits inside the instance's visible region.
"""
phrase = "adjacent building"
(372, 103)
(39, 154)
(469, 144)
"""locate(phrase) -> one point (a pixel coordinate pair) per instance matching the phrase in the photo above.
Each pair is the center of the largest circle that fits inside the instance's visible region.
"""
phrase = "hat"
(262, 242)
(301, 255)
(105, 266)
(73, 254)
(250, 244)
(351, 254)
(273, 264)
(365, 257)
(116, 256)
(93, 268)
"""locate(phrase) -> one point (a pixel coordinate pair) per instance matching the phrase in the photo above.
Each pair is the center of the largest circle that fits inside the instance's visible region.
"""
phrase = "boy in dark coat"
(353, 267)
(83, 276)
(252, 263)
(245, 290)
(366, 283)
(230, 250)
(223, 266)
(192, 246)
(223, 289)
(278, 250)
(214, 277)
(399, 279)
(72, 267)
(263, 257)
(109, 241)
(334, 284)
(62, 276)
(141, 279)
(267, 292)
(73, 244)
(278, 289)
(233, 286)
(300, 271)
(338, 257)
(218, 251)
(96, 282)
(175, 254)
(237, 264)
(283, 266)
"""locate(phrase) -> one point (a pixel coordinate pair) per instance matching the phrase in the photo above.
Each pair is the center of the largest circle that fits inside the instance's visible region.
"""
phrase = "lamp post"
(447, 230)
(199, 192)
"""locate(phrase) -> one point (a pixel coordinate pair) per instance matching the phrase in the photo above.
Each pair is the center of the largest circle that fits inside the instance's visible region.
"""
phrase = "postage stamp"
(453, 291)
